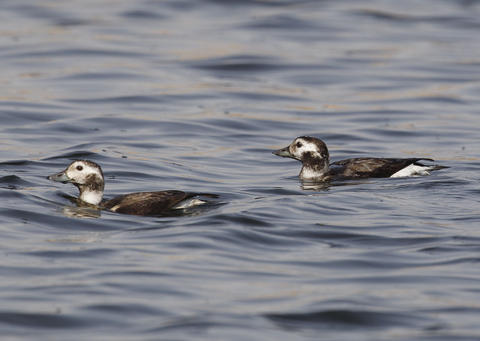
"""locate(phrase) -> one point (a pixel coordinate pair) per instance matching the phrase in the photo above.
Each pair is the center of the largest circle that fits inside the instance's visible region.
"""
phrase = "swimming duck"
(87, 176)
(313, 153)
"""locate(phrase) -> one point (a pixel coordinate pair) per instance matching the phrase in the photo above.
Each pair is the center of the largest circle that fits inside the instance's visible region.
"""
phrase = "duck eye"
(299, 144)
(79, 168)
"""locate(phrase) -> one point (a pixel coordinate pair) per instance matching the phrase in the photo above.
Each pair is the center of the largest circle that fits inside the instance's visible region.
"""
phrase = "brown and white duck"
(316, 166)
(87, 176)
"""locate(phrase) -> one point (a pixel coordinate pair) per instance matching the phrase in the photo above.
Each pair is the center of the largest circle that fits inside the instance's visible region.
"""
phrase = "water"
(195, 95)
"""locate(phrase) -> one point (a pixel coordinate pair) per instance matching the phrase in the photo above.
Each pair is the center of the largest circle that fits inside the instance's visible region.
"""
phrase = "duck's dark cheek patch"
(307, 156)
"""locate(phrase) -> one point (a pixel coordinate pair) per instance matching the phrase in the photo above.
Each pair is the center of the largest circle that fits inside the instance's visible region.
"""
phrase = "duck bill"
(284, 152)
(59, 177)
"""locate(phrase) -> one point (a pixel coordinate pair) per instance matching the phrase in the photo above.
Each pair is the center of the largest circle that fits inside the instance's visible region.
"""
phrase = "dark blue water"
(195, 95)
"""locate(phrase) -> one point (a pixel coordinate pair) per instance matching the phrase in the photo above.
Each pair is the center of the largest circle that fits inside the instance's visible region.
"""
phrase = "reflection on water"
(325, 185)
(80, 212)
(79, 209)
(315, 185)
(193, 95)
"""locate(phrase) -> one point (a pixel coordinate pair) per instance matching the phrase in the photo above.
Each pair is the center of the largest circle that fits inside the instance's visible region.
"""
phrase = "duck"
(88, 177)
(313, 153)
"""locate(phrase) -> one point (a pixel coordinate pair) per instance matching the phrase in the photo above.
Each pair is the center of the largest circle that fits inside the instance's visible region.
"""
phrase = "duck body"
(313, 153)
(150, 203)
(377, 168)
(87, 176)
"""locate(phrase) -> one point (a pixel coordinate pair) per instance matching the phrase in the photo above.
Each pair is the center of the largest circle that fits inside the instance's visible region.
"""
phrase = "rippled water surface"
(195, 95)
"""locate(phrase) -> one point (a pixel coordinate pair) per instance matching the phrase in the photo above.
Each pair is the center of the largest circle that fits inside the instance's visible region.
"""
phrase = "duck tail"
(430, 168)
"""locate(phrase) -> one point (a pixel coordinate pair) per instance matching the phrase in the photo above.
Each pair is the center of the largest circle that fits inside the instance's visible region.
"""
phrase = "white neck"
(91, 197)
(309, 173)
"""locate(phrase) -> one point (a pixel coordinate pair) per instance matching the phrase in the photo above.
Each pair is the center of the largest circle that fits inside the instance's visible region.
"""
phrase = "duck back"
(146, 203)
(371, 167)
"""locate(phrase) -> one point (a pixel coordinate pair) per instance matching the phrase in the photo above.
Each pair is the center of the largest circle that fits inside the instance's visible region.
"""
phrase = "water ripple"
(42, 321)
(347, 318)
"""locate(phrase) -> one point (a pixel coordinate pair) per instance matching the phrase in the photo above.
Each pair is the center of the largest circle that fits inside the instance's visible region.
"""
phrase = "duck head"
(312, 152)
(87, 176)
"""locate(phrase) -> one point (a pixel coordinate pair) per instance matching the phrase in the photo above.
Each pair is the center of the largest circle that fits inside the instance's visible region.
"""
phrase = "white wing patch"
(189, 203)
(412, 170)
(115, 208)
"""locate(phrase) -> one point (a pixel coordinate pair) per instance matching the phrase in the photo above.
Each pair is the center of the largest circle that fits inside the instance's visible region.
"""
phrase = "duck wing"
(371, 167)
(146, 203)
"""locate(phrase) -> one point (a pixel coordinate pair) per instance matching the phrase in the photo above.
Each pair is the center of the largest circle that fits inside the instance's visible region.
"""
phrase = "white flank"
(189, 203)
(412, 170)
(92, 197)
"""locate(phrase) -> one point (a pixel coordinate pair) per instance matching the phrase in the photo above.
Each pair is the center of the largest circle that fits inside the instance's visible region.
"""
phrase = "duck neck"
(314, 168)
(91, 193)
